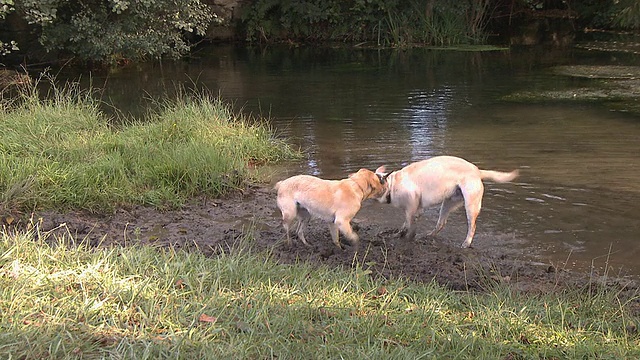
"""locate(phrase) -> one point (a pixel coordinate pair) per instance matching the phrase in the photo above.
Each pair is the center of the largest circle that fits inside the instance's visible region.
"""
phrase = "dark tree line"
(114, 31)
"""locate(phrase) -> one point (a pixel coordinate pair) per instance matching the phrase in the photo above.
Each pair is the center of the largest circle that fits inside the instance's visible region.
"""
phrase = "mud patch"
(599, 72)
(217, 225)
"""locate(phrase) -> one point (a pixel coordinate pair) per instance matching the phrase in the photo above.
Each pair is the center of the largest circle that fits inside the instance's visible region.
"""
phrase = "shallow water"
(577, 200)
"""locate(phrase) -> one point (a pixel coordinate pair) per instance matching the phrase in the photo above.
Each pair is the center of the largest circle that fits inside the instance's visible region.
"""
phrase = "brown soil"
(216, 225)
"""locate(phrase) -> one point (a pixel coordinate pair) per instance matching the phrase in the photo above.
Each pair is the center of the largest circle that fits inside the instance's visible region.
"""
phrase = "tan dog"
(336, 201)
(446, 180)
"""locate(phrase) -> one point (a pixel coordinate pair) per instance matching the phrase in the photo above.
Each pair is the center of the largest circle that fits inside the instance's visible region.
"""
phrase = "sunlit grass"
(60, 298)
(63, 152)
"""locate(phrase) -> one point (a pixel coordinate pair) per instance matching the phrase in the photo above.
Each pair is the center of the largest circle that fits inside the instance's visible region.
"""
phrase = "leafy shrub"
(116, 30)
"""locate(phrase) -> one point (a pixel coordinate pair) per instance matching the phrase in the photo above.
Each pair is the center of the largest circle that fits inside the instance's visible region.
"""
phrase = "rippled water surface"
(578, 198)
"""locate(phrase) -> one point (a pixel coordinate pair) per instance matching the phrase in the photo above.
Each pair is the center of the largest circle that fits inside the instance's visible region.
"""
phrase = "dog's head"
(373, 184)
(384, 179)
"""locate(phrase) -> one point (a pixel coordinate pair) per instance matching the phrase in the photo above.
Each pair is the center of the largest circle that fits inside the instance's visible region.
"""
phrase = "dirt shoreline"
(214, 225)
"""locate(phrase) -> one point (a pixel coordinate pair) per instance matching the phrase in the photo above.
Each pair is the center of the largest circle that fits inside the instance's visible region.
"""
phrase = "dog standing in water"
(446, 180)
(335, 201)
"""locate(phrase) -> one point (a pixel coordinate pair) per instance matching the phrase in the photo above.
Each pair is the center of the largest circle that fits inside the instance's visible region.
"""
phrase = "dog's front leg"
(412, 214)
(333, 229)
(344, 226)
(408, 230)
(403, 230)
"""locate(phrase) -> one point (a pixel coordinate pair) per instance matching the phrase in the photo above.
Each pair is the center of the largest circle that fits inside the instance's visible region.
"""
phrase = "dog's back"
(313, 194)
(306, 184)
(447, 181)
(335, 201)
(448, 170)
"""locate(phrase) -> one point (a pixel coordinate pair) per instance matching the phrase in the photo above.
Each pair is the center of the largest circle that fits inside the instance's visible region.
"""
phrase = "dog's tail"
(499, 176)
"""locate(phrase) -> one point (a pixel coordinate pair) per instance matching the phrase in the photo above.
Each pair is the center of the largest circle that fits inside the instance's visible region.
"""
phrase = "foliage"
(116, 30)
(63, 153)
(629, 14)
(6, 6)
(60, 298)
(607, 14)
(309, 20)
(385, 23)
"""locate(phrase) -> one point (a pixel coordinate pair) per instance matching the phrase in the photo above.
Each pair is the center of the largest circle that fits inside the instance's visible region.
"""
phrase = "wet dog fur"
(301, 197)
(445, 180)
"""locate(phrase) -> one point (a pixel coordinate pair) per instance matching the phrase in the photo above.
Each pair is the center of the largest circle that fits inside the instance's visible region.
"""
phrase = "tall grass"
(382, 22)
(59, 150)
(63, 299)
(437, 23)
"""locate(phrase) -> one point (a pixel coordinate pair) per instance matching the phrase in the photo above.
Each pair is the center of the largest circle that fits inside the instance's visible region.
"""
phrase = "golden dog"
(335, 201)
(446, 180)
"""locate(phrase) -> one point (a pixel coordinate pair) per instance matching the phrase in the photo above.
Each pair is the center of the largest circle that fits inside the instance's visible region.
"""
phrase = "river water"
(577, 201)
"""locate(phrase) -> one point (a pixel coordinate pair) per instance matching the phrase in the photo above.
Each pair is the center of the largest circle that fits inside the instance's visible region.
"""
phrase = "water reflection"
(426, 118)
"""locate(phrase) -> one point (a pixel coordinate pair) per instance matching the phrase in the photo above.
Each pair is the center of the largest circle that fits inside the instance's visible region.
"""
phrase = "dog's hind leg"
(286, 224)
(303, 219)
(449, 205)
(289, 214)
(472, 193)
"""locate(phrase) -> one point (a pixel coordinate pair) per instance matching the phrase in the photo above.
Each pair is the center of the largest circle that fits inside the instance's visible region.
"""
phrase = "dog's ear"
(380, 173)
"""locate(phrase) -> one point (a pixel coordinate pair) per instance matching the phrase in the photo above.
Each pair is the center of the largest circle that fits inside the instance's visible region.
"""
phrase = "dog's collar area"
(364, 193)
(389, 185)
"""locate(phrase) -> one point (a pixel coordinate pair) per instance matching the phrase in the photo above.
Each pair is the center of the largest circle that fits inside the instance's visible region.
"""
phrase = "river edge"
(250, 218)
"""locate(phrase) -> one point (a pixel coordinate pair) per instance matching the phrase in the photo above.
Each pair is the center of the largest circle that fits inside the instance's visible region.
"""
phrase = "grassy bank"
(60, 299)
(65, 153)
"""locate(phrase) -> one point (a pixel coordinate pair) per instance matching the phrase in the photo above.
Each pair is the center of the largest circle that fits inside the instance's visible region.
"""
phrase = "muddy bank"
(618, 87)
(213, 225)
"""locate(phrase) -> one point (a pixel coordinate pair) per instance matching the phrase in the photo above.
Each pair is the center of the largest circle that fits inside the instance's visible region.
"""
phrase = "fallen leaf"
(207, 318)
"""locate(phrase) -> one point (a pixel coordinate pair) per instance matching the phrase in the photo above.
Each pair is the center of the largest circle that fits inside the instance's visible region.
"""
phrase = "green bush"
(117, 30)
(6, 6)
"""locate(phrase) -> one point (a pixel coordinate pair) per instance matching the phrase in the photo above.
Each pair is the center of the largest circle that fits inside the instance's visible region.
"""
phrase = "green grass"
(64, 152)
(63, 299)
